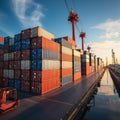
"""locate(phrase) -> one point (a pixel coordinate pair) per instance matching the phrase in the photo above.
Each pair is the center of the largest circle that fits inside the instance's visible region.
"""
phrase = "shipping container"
(17, 46)
(1, 64)
(38, 32)
(17, 84)
(17, 55)
(17, 37)
(63, 42)
(25, 64)
(17, 65)
(65, 80)
(26, 75)
(25, 85)
(45, 64)
(25, 44)
(44, 54)
(26, 33)
(70, 40)
(25, 54)
(17, 74)
(5, 73)
(11, 74)
(44, 43)
(1, 39)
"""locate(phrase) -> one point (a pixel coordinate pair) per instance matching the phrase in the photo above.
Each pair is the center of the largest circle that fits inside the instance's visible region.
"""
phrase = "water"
(106, 103)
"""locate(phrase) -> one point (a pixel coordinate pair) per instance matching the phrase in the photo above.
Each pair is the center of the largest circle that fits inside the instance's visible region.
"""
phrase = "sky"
(100, 19)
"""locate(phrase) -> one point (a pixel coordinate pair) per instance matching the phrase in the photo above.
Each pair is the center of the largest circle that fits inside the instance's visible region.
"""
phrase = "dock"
(62, 103)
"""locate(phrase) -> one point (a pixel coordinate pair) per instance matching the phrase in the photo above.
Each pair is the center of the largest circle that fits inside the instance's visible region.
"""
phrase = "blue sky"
(100, 19)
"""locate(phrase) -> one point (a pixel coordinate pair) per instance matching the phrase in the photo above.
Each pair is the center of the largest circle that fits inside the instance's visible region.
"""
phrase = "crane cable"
(67, 6)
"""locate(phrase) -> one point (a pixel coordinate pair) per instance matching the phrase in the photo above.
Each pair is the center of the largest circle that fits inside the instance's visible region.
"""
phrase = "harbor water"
(106, 104)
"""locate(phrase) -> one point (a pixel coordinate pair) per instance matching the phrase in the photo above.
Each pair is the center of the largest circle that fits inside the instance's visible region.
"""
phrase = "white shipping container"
(11, 74)
(38, 31)
(6, 57)
(25, 64)
(76, 53)
(50, 64)
(66, 50)
(66, 64)
(10, 56)
(5, 73)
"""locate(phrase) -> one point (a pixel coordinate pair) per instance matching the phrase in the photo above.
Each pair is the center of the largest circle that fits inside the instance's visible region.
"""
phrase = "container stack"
(70, 40)
(8, 72)
(95, 63)
(45, 65)
(65, 61)
(85, 64)
(25, 60)
(76, 65)
(16, 62)
(91, 59)
(98, 64)
(1, 60)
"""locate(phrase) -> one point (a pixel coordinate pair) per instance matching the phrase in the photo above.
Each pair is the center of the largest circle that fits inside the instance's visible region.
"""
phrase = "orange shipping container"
(66, 57)
(66, 72)
(42, 42)
(2, 39)
(77, 76)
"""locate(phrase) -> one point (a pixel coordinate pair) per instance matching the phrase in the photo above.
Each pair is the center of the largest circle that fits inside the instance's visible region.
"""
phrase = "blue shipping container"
(17, 46)
(25, 44)
(17, 37)
(63, 42)
(45, 54)
(11, 83)
(36, 64)
(17, 84)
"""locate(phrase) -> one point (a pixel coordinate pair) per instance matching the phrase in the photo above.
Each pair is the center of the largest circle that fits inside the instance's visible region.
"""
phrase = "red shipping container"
(42, 42)
(25, 54)
(1, 52)
(36, 76)
(1, 64)
(25, 85)
(2, 39)
(17, 74)
(66, 57)
(1, 58)
(6, 48)
(25, 75)
(1, 73)
(6, 63)
(66, 71)
(17, 55)
(11, 64)
(26, 33)
(17, 65)
(36, 87)
(4, 82)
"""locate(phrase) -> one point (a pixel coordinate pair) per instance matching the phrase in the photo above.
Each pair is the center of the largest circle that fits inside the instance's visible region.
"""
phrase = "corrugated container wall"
(65, 61)
(76, 65)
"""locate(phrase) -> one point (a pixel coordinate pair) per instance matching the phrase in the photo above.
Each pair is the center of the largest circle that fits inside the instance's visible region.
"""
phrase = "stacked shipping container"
(76, 65)
(45, 65)
(1, 60)
(65, 61)
(85, 63)
(34, 61)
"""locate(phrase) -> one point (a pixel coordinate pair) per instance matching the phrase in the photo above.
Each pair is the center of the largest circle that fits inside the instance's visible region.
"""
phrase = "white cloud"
(103, 49)
(28, 12)
(110, 28)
